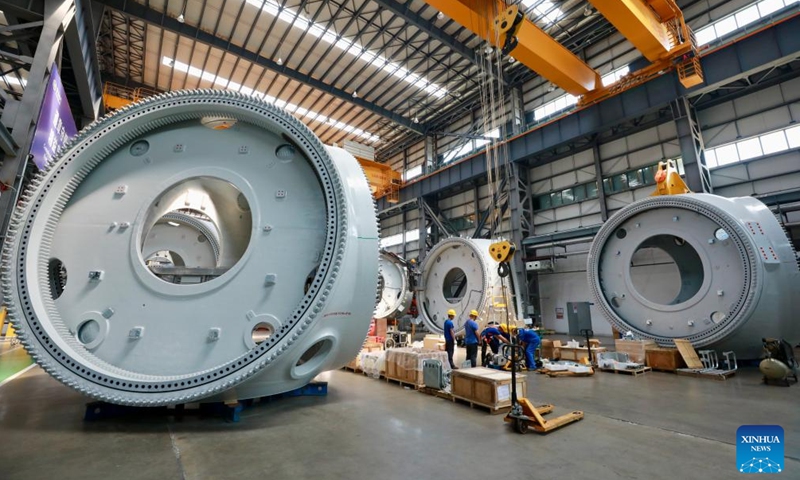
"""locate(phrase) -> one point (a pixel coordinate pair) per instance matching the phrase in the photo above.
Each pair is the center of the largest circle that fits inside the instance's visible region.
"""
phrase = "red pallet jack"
(524, 415)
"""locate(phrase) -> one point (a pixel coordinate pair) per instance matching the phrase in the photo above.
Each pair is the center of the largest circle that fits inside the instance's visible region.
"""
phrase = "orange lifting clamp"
(502, 252)
(668, 180)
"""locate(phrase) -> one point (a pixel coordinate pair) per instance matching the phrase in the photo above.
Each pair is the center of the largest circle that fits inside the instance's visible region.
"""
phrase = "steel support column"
(422, 242)
(520, 203)
(598, 171)
(489, 219)
(57, 17)
(517, 110)
(80, 41)
(690, 138)
(430, 155)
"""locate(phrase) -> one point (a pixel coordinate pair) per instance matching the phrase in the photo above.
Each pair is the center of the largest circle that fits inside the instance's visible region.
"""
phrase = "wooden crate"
(579, 353)
(634, 348)
(666, 359)
(485, 386)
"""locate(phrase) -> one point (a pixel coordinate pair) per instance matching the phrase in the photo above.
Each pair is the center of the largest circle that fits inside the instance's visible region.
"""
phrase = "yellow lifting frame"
(533, 48)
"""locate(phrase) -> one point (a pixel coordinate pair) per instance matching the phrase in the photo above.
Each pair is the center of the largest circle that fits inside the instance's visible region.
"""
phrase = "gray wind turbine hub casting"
(722, 272)
(164, 258)
(459, 274)
(395, 291)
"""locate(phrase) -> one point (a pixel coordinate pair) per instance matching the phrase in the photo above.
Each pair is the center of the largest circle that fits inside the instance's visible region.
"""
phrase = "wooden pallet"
(626, 371)
(436, 393)
(563, 373)
(351, 369)
(473, 404)
(714, 375)
(402, 383)
(665, 370)
(569, 374)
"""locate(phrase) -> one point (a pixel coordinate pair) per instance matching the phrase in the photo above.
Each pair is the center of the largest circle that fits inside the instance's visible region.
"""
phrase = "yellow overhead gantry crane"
(531, 46)
(655, 27)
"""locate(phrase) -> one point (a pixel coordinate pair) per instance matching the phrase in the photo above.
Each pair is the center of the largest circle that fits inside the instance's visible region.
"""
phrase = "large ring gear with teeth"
(459, 274)
(394, 286)
(739, 278)
(270, 279)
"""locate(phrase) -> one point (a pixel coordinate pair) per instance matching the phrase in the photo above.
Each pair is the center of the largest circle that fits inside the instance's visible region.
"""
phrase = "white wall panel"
(729, 175)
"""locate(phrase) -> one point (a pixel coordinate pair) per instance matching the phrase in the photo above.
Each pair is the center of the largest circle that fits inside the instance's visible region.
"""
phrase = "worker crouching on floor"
(530, 341)
(471, 339)
(492, 336)
(449, 337)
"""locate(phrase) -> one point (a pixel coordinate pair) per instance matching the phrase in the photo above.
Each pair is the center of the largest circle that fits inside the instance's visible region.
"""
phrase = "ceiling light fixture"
(181, 18)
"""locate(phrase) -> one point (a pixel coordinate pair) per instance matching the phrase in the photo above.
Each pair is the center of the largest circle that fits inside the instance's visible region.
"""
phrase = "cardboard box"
(634, 348)
(485, 386)
(667, 359)
(433, 342)
(550, 349)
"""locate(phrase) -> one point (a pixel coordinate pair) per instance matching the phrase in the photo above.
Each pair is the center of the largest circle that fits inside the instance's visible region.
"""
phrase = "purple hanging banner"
(55, 125)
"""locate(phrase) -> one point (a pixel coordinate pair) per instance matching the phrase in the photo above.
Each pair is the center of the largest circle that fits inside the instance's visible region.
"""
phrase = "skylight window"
(471, 146)
(298, 111)
(544, 10)
(13, 80)
(352, 47)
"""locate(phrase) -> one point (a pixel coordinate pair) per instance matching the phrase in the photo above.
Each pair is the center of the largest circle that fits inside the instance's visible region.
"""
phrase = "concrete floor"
(653, 426)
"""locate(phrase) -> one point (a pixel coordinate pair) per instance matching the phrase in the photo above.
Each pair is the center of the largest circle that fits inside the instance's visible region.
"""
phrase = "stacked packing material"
(405, 364)
(373, 363)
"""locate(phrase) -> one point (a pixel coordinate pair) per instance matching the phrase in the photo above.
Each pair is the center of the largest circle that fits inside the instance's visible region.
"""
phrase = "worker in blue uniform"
(450, 337)
(530, 341)
(471, 338)
(491, 337)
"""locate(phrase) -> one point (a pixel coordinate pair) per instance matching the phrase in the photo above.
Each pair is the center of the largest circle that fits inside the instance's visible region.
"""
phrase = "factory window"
(412, 235)
(739, 20)
(565, 101)
(591, 190)
(614, 76)
(567, 196)
(554, 106)
(640, 177)
(412, 173)
(392, 240)
(754, 147)
(543, 202)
